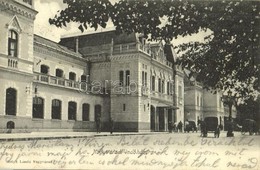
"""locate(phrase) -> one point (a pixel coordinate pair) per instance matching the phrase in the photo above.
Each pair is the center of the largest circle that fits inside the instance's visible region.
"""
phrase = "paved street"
(151, 151)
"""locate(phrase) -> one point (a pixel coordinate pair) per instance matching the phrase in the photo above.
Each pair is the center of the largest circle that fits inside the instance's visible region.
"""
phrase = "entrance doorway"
(152, 118)
(161, 119)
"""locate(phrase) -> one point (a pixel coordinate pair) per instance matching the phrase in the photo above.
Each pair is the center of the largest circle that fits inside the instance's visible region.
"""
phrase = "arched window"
(44, 69)
(127, 77)
(72, 76)
(97, 112)
(38, 105)
(153, 83)
(10, 104)
(121, 78)
(59, 73)
(163, 87)
(85, 112)
(56, 109)
(83, 78)
(10, 125)
(72, 109)
(159, 85)
(12, 43)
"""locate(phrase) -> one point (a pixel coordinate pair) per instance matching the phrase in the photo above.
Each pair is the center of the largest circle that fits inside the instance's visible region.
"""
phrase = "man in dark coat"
(111, 125)
(98, 123)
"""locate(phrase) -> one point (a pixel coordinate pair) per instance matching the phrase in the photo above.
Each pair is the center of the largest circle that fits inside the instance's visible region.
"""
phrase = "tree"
(229, 57)
(250, 109)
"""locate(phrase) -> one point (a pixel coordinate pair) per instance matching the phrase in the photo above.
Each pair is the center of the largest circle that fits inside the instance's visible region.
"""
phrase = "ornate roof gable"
(14, 24)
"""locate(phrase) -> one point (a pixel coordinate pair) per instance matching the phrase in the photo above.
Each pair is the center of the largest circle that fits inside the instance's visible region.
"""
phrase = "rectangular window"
(44, 69)
(142, 78)
(85, 112)
(163, 88)
(198, 101)
(127, 77)
(12, 43)
(59, 73)
(168, 88)
(145, 79)
(153, 83)
(159, 85)
(72, 76)
(56, 109)
(124, 107)
(121, 78)
(72, 109)
(171, 89)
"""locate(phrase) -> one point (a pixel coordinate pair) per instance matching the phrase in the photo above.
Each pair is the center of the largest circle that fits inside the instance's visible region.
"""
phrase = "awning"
(163, 105)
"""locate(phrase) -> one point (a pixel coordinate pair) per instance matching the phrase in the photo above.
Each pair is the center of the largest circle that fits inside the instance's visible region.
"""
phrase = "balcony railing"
(122, 48)
(83, 87)
(135, 47)
(12, 62)
(59, 81)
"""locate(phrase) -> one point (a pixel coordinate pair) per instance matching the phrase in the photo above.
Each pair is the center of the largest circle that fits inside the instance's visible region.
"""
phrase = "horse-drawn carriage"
(210, 124)
(249, 125)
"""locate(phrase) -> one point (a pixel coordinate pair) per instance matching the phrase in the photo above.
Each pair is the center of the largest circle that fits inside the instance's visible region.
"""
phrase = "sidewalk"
(63, 135)
(67, 135)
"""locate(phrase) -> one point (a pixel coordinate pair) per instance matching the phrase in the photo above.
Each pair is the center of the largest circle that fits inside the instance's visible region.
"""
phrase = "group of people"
(176, 127)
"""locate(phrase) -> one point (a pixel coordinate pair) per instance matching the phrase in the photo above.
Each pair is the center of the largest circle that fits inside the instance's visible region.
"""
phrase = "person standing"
(111, 125)
(180, 126)
(98, 123)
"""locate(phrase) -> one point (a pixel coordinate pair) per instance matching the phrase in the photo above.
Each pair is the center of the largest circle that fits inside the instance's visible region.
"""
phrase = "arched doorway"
(152, 118)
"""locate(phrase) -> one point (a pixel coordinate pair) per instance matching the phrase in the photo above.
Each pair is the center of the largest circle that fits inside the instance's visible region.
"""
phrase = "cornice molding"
(42, 48)
(17, 71)
(18, 8)
(123, 57)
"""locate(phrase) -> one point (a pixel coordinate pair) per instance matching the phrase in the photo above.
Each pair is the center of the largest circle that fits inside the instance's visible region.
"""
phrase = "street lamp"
(229, 100)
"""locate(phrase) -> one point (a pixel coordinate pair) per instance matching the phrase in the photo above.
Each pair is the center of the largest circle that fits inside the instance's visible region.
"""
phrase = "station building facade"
(49, 86)
(201, 103)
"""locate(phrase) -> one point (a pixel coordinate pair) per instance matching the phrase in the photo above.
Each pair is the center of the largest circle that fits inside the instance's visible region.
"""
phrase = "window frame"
(11, 101)
(85, 112)
(61, 72)
(72, 110)
(121, 77)
(11, 40)
(42, 67)
(127, 77)
(55, 103)
(72, 76)
(36, 104)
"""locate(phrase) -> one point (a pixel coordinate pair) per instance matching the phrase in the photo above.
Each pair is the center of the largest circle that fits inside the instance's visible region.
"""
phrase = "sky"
(48, 9)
